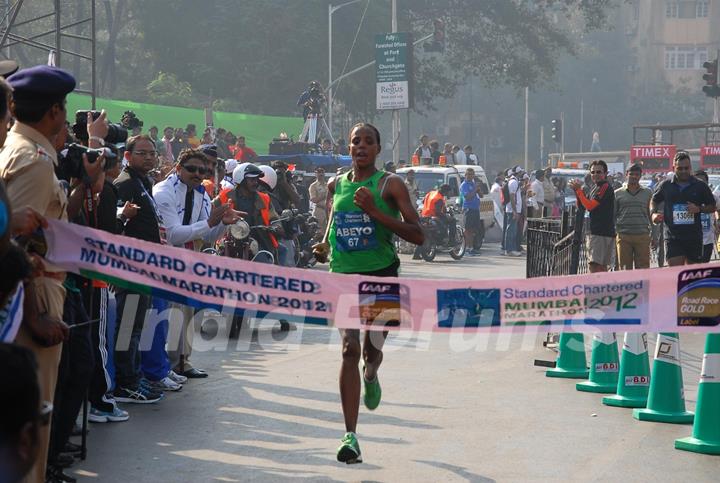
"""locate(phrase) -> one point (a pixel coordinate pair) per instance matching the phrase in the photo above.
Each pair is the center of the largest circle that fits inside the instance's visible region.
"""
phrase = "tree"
(260, 55)
(167, 89)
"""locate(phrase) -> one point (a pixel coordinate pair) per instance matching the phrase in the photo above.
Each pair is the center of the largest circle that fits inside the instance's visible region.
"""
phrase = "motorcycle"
(437, 239)
(252, 242)
(246, 242)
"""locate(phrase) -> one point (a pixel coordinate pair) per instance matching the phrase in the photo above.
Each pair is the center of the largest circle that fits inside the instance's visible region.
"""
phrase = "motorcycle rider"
(288, 197)
(434, 207)
(245, 197)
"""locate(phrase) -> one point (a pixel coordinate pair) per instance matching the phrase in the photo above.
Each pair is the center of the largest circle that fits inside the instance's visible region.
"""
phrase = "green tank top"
(357, 243)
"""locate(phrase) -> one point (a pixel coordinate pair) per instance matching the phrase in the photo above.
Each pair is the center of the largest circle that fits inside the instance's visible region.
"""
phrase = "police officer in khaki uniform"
(27, 165)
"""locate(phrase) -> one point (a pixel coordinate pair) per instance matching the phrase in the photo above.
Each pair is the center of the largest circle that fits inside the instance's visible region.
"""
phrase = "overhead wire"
(352, 46)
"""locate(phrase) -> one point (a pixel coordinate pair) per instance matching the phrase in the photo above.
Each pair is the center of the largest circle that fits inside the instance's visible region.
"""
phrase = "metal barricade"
(542, 235)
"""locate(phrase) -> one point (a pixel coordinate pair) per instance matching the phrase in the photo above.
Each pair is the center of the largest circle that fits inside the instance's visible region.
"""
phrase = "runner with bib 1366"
(365, 208)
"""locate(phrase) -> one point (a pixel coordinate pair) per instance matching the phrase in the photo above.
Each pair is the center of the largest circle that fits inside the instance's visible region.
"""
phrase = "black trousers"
(75, 371)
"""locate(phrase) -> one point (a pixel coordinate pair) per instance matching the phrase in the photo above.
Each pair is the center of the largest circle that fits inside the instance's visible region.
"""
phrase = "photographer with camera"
(93, 203)
(312, 100)
(27, 166)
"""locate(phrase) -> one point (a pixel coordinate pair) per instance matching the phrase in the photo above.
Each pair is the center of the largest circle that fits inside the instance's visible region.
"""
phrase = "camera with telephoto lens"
(70, 164)
(117, 133)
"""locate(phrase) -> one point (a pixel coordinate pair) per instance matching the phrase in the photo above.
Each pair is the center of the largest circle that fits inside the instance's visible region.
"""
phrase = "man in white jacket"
(188, 216)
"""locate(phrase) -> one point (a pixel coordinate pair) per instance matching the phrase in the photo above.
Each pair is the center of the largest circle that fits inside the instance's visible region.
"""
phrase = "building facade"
(670, 40)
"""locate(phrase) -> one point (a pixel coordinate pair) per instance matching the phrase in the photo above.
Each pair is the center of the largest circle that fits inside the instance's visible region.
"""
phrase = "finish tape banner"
(677, 299)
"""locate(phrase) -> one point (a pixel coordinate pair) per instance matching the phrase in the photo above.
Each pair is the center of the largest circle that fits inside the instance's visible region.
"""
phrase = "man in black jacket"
(134, 186)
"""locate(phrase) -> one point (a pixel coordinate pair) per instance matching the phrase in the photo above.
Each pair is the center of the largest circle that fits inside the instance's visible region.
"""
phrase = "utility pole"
(396, 112)
(542, 146)
(716, 105)
(472, 131)
(527, 116)
(562, 136)
(331, 10)
(582, 115)
(329, 84)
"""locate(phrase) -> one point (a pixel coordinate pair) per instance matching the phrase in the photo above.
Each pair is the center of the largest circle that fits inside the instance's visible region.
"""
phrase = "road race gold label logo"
(699, 297)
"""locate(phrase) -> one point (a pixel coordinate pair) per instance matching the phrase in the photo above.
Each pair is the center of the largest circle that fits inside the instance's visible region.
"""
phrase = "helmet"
(230, 165)
(270, 177)
(246, 170)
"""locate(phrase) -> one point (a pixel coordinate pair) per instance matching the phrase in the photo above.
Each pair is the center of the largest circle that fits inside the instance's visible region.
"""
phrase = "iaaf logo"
(392, 89)
(694, 275)
(366, 287)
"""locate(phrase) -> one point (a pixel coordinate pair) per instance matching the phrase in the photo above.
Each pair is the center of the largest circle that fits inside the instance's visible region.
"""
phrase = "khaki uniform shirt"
(318, 190)
(27, 165)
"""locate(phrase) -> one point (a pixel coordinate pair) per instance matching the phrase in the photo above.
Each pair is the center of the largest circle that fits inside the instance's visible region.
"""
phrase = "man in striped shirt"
(632, 221)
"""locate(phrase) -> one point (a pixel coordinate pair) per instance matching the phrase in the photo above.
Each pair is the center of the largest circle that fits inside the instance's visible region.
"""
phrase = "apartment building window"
(685, 57)
(701, 8)
(686, 9)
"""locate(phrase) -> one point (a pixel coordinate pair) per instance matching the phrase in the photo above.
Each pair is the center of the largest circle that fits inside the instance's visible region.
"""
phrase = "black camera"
(70, 164)
(117, 133)
(130, 120)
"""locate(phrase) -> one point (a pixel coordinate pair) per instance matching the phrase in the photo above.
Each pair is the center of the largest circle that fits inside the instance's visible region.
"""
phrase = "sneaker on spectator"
(164, 384)
(139, 395)
(177, 377)
(150, 386)
(515, 254)
(116, 415)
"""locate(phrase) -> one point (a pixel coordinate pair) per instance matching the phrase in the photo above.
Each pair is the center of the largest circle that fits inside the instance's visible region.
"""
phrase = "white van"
(429, 178)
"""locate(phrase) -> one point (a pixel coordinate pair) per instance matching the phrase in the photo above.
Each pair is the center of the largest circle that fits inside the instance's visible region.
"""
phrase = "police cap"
(41, 85)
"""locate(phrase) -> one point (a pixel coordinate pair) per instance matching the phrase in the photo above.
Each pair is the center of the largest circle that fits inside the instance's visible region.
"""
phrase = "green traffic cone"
(571, 362)
(666, 402)
(603, 365)
(706, 430)
(634, 377)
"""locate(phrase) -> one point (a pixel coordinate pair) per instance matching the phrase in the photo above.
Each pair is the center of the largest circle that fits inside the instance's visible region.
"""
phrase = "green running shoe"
(373, 392)
(349, 450)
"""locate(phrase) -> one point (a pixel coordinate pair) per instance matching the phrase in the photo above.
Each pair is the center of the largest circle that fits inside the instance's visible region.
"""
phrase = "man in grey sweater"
(632, 221)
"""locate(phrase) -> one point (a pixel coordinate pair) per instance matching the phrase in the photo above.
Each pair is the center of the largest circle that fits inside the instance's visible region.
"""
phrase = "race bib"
(681, 215)
(354, 231)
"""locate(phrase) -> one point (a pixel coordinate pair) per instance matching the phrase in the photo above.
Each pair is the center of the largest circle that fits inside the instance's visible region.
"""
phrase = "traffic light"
(711, 79)
(557, 130)
(437, 43)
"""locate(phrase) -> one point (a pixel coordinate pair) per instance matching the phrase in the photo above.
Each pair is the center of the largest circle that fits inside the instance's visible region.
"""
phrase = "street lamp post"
(331, 10)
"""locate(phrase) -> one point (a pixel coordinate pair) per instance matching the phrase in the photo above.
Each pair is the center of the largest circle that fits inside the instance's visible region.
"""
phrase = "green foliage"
(260, 55)
(167, 89)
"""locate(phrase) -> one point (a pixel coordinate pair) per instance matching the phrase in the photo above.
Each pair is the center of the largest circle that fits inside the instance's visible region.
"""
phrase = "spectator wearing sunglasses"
(185, 208)
(601, 205)
(188, 217)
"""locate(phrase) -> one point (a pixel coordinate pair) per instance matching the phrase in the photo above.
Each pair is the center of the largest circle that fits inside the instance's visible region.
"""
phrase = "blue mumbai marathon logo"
(384, 303)
(468, 307)
(698, 301)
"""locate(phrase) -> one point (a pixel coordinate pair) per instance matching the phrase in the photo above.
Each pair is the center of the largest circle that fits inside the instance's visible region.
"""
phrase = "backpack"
(505, 193)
